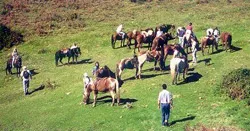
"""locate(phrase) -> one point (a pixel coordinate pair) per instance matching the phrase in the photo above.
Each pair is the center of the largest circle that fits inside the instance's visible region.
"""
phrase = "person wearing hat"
(26, 76)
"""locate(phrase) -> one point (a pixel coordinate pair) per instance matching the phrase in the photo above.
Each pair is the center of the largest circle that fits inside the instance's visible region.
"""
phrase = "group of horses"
(158, 50)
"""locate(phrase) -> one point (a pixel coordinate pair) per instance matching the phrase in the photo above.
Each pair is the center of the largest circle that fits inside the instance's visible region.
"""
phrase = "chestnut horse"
(146, 36)
(168, 50)
(177, 66)
(208, 41)
(115, 37)
(131, 35)
(226, 39)
(106, 84)
(131, 63)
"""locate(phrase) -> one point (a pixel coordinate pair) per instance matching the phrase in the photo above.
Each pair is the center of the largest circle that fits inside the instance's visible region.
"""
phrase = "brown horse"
(168, 50)
(208, 41)
(115, 37)
(106, 84)
(131, 35)
(146, 36)
(131, 63)
(177, 66)
(226, 39)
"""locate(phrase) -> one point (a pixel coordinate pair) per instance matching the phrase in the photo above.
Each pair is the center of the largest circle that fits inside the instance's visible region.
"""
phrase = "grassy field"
(196, 103)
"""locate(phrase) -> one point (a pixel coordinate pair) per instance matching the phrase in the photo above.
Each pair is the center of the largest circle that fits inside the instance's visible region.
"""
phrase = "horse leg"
(68, 59)
(136, 72)
(113, 97)
(76, 60)
(155, 64)
(175, 78)
(61, 60)
(95, 97)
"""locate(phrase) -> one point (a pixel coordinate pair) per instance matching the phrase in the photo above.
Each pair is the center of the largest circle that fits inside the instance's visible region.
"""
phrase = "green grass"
(54, 109)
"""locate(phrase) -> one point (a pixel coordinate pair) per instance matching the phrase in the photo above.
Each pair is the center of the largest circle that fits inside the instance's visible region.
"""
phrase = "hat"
(24, 67)
(85, 74)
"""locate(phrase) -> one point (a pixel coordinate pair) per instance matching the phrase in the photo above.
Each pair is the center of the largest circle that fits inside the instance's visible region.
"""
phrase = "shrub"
(9, 38)
(237, 84)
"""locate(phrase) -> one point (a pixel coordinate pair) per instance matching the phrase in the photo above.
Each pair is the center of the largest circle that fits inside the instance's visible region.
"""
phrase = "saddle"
(65, 50)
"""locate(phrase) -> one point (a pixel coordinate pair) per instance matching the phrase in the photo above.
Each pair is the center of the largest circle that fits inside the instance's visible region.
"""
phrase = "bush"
(237, 84)
(9, 38)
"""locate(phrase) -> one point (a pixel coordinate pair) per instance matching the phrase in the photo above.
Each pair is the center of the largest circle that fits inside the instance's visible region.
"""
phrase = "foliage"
(237, 84)
(9, 38)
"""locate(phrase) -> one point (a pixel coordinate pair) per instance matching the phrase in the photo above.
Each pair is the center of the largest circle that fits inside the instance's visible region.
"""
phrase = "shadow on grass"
(123, 101)
(41, 87)
(183, 120)
(145, 76)
(33, 72)
(234, 49)
(206, 61)
(192, 78)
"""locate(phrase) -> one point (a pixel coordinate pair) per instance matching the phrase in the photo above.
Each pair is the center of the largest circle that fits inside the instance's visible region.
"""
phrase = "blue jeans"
(165, 111)
(25, 86)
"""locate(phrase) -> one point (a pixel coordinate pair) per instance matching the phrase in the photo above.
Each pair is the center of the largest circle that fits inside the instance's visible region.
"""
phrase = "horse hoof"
(93, 105)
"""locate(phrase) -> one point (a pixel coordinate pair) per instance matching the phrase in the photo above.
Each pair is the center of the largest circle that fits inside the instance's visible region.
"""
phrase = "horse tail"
(112, 41)
(117, 91)
(56, 58)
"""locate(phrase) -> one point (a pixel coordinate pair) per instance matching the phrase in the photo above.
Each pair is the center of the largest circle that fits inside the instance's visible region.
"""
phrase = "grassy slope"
(54, 109)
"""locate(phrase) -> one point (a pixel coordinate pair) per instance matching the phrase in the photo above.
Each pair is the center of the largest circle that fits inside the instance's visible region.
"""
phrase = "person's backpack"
(26, 74)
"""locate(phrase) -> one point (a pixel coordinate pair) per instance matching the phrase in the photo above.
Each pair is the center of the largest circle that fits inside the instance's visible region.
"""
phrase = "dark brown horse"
(17, 64)
(208, 41)
(226, 39)
(115, 37)
(165, 28)
(106, 84)
(106, 72)
(146, 36)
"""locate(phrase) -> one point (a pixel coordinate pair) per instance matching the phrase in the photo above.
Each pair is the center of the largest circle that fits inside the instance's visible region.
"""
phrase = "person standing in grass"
(95, 68)
(26, 76)
(164, 101)
(194, 49)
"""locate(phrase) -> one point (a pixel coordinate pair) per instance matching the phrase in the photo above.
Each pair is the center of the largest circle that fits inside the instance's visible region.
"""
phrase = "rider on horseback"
(119, 31)
(73, 46)
(14, 56)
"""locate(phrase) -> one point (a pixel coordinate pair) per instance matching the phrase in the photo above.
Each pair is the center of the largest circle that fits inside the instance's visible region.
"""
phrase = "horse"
(131, 35)
(106, 84)
(106, 72)
(187, 42)
(146, 36)
(131, 63)
(208, 41)
(117, 36)
(168, 50)
(164, 28)
(60, 54)
(226, 39)
(17, 64)
(177, 66)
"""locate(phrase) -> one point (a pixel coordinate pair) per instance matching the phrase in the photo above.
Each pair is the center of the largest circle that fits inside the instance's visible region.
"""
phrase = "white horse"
(177, 66)
(131, 63)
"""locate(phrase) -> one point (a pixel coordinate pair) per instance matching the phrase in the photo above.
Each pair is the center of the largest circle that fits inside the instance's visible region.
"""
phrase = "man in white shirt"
(164, 101)
(26, 76)
(119, 31)
(216, 34)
